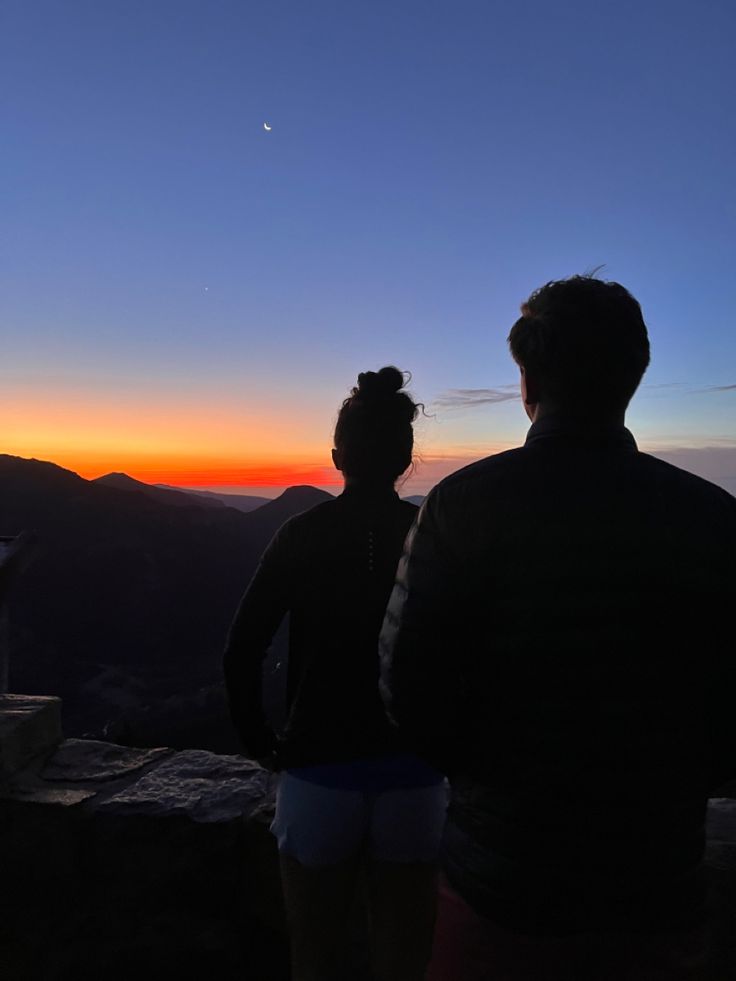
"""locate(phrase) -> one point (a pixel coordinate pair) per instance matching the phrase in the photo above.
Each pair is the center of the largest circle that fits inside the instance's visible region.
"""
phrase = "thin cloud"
(665, 385)
(682, 388)
(472, 398)
(469, 398)
(709, 389)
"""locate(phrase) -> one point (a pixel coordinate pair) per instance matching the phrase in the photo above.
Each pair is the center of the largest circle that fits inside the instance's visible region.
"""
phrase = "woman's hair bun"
(380, 384)
(374, 426)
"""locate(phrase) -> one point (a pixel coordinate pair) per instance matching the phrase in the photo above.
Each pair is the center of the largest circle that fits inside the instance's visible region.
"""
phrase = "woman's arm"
(261, 610)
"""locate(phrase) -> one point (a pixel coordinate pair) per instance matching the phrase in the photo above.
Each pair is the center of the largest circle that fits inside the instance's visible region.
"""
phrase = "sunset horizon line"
(710, 457)
(268, 479)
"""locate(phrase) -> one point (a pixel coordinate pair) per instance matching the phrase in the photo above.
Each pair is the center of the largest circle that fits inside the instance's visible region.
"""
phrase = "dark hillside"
(242, 502)
(124, 611)
(170, 496)
(292, 501)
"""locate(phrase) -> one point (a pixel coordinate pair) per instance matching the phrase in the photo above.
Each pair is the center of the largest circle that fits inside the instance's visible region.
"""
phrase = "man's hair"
(582, 338)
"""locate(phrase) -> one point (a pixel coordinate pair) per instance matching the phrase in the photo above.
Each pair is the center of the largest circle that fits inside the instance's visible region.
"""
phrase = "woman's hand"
(262, 746)
(270, 762)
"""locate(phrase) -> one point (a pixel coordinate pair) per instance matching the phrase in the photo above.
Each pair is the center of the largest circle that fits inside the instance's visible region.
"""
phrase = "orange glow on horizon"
(255, 476)
(205, 449)
(195, 471)
(192, 470)
(215, 444)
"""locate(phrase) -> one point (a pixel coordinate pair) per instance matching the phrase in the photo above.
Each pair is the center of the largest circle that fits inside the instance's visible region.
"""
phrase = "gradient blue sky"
(181, 291)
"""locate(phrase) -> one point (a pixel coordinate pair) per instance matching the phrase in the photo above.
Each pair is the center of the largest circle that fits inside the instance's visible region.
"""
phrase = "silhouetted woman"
(348, 794)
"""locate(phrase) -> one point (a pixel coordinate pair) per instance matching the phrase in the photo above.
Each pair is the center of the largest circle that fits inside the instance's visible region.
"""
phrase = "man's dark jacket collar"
(581, 432)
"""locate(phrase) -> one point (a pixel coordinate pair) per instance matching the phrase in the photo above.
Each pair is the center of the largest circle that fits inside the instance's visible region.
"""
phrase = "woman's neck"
(372, 488)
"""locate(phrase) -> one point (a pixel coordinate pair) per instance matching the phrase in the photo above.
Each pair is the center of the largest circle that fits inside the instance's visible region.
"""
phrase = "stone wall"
(122, 863)
(119, 863)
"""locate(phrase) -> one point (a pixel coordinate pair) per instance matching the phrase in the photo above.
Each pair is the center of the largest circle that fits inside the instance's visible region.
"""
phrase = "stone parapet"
(30, 726)
(139, 862)
(155, 863)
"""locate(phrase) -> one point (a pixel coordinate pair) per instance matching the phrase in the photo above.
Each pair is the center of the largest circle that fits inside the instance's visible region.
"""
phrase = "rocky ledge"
(120, 863)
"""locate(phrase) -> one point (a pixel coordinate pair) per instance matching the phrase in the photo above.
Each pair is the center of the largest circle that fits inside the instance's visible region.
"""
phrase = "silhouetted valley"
(125, 608)
(241, 502)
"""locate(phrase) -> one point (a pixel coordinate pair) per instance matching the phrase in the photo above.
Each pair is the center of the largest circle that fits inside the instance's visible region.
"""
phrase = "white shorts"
(322, 826)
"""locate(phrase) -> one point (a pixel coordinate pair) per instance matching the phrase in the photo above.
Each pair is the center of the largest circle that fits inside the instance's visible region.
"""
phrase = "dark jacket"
(560, 640)
(332, 569)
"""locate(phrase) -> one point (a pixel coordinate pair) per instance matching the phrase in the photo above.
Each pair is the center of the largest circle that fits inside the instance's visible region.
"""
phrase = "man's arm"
(721, 650)
(261, 610)
(422, 640)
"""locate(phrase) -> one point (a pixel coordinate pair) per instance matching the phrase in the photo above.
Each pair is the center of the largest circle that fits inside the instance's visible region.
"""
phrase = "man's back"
(564, 607)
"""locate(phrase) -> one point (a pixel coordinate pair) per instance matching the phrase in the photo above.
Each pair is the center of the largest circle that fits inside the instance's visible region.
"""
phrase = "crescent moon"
(267, 127)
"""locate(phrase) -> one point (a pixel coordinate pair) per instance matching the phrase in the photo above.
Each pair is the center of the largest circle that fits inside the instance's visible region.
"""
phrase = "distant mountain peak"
(123, 482)
(117, 479)
(294, 500)
(302, 490)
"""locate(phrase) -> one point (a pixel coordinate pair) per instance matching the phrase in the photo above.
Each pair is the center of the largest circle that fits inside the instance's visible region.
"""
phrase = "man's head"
(582, 347)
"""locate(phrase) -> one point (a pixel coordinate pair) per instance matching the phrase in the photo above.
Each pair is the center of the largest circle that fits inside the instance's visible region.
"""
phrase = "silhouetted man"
(560, 640)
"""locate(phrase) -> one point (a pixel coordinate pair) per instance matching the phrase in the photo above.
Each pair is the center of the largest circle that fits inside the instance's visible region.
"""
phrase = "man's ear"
(530, 393)
(337, 460)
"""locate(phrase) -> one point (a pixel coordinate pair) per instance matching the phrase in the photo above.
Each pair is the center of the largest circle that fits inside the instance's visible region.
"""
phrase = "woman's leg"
(318, 904)
(320, 832)
(403, 906)
(405, 833)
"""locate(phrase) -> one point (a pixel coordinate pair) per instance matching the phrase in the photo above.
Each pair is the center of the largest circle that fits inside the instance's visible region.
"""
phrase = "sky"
(187, 297)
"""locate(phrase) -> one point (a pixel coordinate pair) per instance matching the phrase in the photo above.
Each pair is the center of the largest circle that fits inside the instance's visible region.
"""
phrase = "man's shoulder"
(672, 477)
(496, 468)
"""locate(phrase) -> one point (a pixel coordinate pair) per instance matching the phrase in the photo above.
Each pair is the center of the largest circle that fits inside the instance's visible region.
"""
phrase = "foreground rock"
(124, 864)
(197, 785)
(720, 858)
(120, 862)
(29, 726)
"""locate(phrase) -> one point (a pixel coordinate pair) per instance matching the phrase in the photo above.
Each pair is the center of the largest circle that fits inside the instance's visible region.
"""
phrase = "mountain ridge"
(129, 599)
(241, 502)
